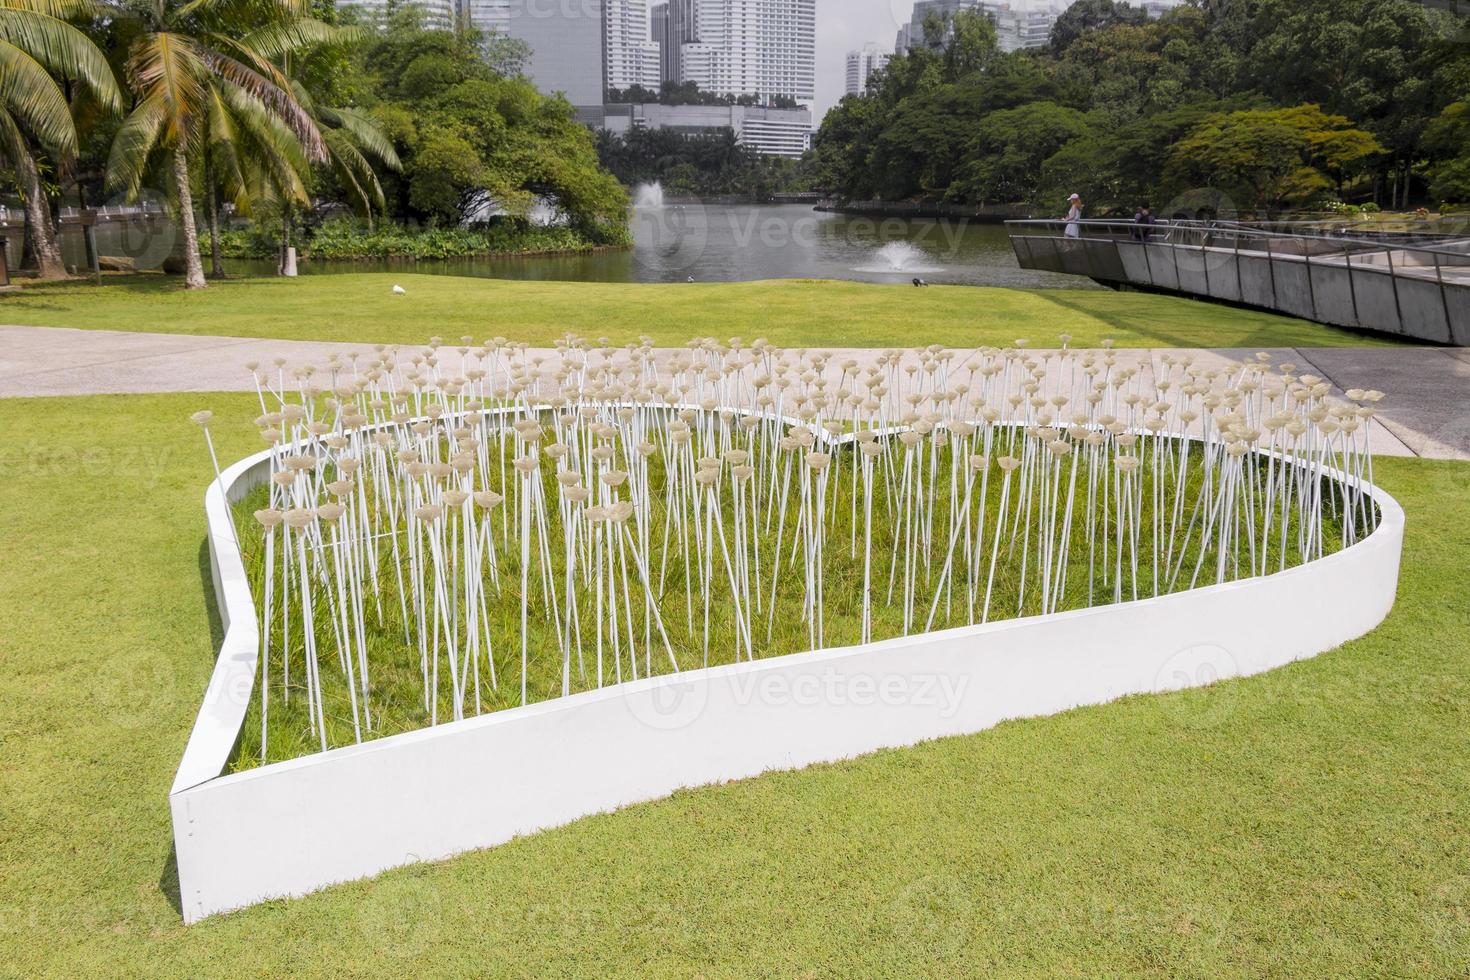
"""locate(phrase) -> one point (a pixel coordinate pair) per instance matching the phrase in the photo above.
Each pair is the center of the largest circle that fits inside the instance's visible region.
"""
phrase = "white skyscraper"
(861, 64)
(1017, 24)
(487, 15)
(749, 47)
(629, 50)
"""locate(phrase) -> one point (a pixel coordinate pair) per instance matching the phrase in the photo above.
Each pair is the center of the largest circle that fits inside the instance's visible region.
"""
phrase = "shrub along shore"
(346, 240)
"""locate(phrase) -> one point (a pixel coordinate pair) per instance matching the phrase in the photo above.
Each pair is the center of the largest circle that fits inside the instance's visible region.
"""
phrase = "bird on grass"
(920, 283)
(399, 290)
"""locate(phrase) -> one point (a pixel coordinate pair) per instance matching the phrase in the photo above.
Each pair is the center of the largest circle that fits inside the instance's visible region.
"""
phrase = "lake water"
(678, 242)
(739, 243)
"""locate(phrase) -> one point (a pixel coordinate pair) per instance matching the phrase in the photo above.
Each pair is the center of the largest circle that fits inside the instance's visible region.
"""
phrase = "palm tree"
(248, 156)
(194, 60)
(351, 139)
(37, 46)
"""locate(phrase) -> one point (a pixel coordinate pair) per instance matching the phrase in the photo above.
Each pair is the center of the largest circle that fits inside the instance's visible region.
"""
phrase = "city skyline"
(835, 28)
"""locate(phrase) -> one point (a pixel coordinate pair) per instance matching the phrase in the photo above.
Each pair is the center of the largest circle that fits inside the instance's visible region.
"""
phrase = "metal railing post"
(1393, 277)
(1444, 299)
(1347, 257)
(1311, 286)
(1271, 265)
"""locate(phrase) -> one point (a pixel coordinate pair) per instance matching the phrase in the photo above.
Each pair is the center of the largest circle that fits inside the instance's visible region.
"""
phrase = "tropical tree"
(1270, 158)
(353, 141)
(39, 51)
(247, 156)
(1448, 138)
(1009, 147)
(199, 65)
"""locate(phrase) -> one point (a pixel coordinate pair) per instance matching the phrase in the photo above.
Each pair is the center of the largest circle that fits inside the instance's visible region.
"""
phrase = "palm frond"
(136, 138)
(266, 141)
(32, 96)
(222, 152)
(12, 140)
(366, 135)
(61, 9)
(274, 97)
(354, 171)
(63, 49)
(275, 40)
(167, 68)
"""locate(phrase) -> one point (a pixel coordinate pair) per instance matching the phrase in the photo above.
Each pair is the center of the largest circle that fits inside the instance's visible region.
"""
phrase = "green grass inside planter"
(396, 695)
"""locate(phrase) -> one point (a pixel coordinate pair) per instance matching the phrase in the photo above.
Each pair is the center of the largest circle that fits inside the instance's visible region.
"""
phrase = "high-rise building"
(1017, 29)
(912, 34)
(658, 22)
(861, 65)
(1016, 26)
(630, 53)
(674, 26)
(743, 47)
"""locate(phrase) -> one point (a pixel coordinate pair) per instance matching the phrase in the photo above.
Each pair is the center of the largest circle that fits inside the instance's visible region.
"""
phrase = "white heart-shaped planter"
(292, 827)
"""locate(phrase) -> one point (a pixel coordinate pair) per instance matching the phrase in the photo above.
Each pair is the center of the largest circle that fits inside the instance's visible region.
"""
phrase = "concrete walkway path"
(1426, 413)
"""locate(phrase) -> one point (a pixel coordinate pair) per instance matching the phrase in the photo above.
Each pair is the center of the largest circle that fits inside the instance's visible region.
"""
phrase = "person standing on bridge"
(1074, 217)
(1143, 223)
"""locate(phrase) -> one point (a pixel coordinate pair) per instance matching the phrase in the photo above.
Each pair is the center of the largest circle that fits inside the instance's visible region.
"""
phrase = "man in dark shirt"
(1143, 223)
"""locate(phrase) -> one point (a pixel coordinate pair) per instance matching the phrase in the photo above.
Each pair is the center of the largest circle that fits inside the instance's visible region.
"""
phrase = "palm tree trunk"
(38, 215)
(193, 268)
(216, 268)
(285, 237)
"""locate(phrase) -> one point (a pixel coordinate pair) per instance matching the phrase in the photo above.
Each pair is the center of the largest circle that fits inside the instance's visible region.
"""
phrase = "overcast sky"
(843, 25)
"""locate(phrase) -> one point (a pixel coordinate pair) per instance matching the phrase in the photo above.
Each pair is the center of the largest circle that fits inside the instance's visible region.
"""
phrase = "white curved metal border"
(294, 827)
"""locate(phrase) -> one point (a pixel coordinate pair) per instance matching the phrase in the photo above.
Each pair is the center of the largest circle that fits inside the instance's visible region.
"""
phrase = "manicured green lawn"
(793, 313)
(1313, 821)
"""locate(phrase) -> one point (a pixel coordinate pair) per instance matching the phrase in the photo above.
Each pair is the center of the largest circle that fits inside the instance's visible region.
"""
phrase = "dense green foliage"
(475, 141)
(1255, 107)
(690, 165)
(286, 113)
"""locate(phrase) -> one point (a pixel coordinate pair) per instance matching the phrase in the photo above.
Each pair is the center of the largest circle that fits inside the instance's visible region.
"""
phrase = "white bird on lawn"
(399, 291)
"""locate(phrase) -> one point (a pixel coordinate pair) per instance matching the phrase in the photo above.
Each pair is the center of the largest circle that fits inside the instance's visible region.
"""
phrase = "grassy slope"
(1315, 820)
(361, 309)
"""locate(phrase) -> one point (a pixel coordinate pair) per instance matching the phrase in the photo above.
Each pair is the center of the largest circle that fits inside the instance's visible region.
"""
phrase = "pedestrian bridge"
(1405, 285)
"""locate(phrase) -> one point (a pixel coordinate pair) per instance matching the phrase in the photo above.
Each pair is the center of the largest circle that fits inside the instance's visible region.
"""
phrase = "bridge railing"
(1406, 286)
